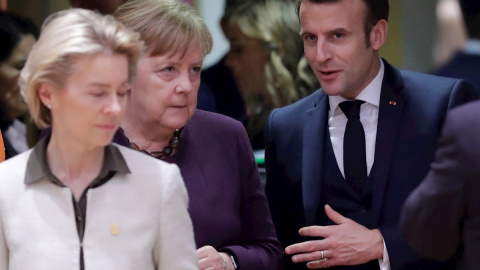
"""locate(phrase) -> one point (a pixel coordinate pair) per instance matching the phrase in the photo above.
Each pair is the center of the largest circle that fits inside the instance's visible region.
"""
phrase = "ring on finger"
(322, 253)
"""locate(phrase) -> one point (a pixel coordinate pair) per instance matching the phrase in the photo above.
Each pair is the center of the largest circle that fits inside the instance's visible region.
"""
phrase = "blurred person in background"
(465, 64)
(219, 79)
(229, 211)
(73, 201)
(451, 33)
(267, 60)
(17, 35)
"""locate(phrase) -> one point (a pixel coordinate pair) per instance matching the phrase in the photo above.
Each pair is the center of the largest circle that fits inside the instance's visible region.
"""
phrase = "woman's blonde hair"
(166, 26)
(66, 37)
(288, 75)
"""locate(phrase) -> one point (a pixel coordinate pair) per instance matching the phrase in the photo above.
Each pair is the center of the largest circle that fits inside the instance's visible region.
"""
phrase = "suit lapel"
(314, 131)
(389, 118)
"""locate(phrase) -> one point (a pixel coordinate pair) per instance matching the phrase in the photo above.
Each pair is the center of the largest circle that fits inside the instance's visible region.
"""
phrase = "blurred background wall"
(410, 42)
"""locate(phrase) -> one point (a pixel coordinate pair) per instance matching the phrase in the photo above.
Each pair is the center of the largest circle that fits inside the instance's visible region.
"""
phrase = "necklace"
(167, 150)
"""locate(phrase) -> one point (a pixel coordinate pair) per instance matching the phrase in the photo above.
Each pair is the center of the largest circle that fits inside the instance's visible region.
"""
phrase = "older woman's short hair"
(166, 26)
(66, 37)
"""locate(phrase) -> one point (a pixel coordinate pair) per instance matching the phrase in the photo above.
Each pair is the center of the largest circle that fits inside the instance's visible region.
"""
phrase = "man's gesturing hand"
(347, 243)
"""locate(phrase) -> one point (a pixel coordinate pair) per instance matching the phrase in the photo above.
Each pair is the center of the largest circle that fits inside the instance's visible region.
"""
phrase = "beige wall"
(392, 49)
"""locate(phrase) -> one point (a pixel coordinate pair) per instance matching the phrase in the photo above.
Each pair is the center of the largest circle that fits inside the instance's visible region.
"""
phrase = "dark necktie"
(354, 157)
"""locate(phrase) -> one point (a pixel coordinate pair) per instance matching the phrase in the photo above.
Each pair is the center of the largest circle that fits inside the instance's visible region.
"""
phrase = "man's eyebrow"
(336, 30)
(305, 33)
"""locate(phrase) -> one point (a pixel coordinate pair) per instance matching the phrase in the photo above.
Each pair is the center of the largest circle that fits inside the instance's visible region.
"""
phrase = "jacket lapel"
(390, 114)
(314, 132)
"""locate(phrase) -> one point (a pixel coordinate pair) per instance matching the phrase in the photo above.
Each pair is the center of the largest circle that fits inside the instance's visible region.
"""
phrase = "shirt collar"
(37, 166)
(370, 94)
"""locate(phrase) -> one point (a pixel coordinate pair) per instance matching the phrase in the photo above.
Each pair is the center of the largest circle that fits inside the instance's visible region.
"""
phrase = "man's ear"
(45, 93)
(378, 35)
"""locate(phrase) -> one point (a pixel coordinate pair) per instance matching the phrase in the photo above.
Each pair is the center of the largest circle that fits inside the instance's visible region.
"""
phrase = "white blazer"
(134, 221)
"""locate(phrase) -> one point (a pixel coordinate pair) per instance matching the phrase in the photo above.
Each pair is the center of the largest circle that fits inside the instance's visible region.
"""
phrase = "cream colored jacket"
(134, 221)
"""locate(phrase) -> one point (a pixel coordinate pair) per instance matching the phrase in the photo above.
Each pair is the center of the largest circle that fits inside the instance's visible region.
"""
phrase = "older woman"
(73, 201)
(230, 216)
(17, 35)
(267, 60)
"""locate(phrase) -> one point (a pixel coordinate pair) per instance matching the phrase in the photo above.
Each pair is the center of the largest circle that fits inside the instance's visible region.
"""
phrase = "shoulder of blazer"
(12, 171)
(298, 108)
(211, 126)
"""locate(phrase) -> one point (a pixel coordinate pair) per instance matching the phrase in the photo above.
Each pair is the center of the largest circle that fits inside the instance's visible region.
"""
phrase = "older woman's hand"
(209, 258)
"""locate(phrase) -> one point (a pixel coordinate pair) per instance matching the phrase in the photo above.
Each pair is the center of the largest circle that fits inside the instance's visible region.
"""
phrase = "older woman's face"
(92, 104)
(10, 68)
(246, 59)
(166, 87)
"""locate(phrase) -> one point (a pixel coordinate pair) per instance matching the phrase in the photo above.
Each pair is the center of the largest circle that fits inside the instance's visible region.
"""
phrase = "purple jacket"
(227, 204)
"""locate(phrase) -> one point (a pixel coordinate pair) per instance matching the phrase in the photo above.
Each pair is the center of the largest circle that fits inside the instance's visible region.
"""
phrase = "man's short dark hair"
(376, 10)
(471, 16)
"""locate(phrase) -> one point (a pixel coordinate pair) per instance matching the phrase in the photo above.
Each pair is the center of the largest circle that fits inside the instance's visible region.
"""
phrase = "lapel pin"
(392, 103)
(114, 229)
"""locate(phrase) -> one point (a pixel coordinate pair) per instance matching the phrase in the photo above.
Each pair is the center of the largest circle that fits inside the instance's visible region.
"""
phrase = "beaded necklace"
(167, 150)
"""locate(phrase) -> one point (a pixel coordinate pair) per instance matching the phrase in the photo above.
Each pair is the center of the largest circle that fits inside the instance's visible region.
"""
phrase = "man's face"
(103, 6)
(335, 46)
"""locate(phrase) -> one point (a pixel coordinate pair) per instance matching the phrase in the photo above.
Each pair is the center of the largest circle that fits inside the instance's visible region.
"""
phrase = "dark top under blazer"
(407, 134)
(442, 215)
(227, 204)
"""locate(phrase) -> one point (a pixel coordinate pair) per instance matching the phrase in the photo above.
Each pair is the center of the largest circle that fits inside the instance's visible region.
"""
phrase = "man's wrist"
(379, 244)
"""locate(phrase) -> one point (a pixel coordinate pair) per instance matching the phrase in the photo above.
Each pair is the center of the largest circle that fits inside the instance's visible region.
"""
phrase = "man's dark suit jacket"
(411, 113)
(463, 66)
(442, 216)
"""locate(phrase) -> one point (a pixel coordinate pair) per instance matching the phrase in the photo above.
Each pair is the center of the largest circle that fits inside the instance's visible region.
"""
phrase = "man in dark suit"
(440, 218)
(466, 63)
(362, 167)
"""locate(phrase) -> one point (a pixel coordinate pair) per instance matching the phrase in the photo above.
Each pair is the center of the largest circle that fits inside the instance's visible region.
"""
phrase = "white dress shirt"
(337, 122)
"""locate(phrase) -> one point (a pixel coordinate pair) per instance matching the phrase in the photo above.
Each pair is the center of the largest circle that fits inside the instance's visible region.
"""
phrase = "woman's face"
(165, 89)
(89, 108)
(10, 97)
(246, 59)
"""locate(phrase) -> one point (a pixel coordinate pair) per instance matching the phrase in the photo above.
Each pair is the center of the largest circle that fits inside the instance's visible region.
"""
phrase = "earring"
(49, 106)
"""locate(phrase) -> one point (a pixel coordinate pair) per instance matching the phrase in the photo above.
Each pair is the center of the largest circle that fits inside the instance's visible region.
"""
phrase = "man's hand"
(347, 243)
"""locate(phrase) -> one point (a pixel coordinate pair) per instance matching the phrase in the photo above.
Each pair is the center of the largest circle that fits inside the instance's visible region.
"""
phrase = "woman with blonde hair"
(231, 220)
(72, 202)
(267, 60)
